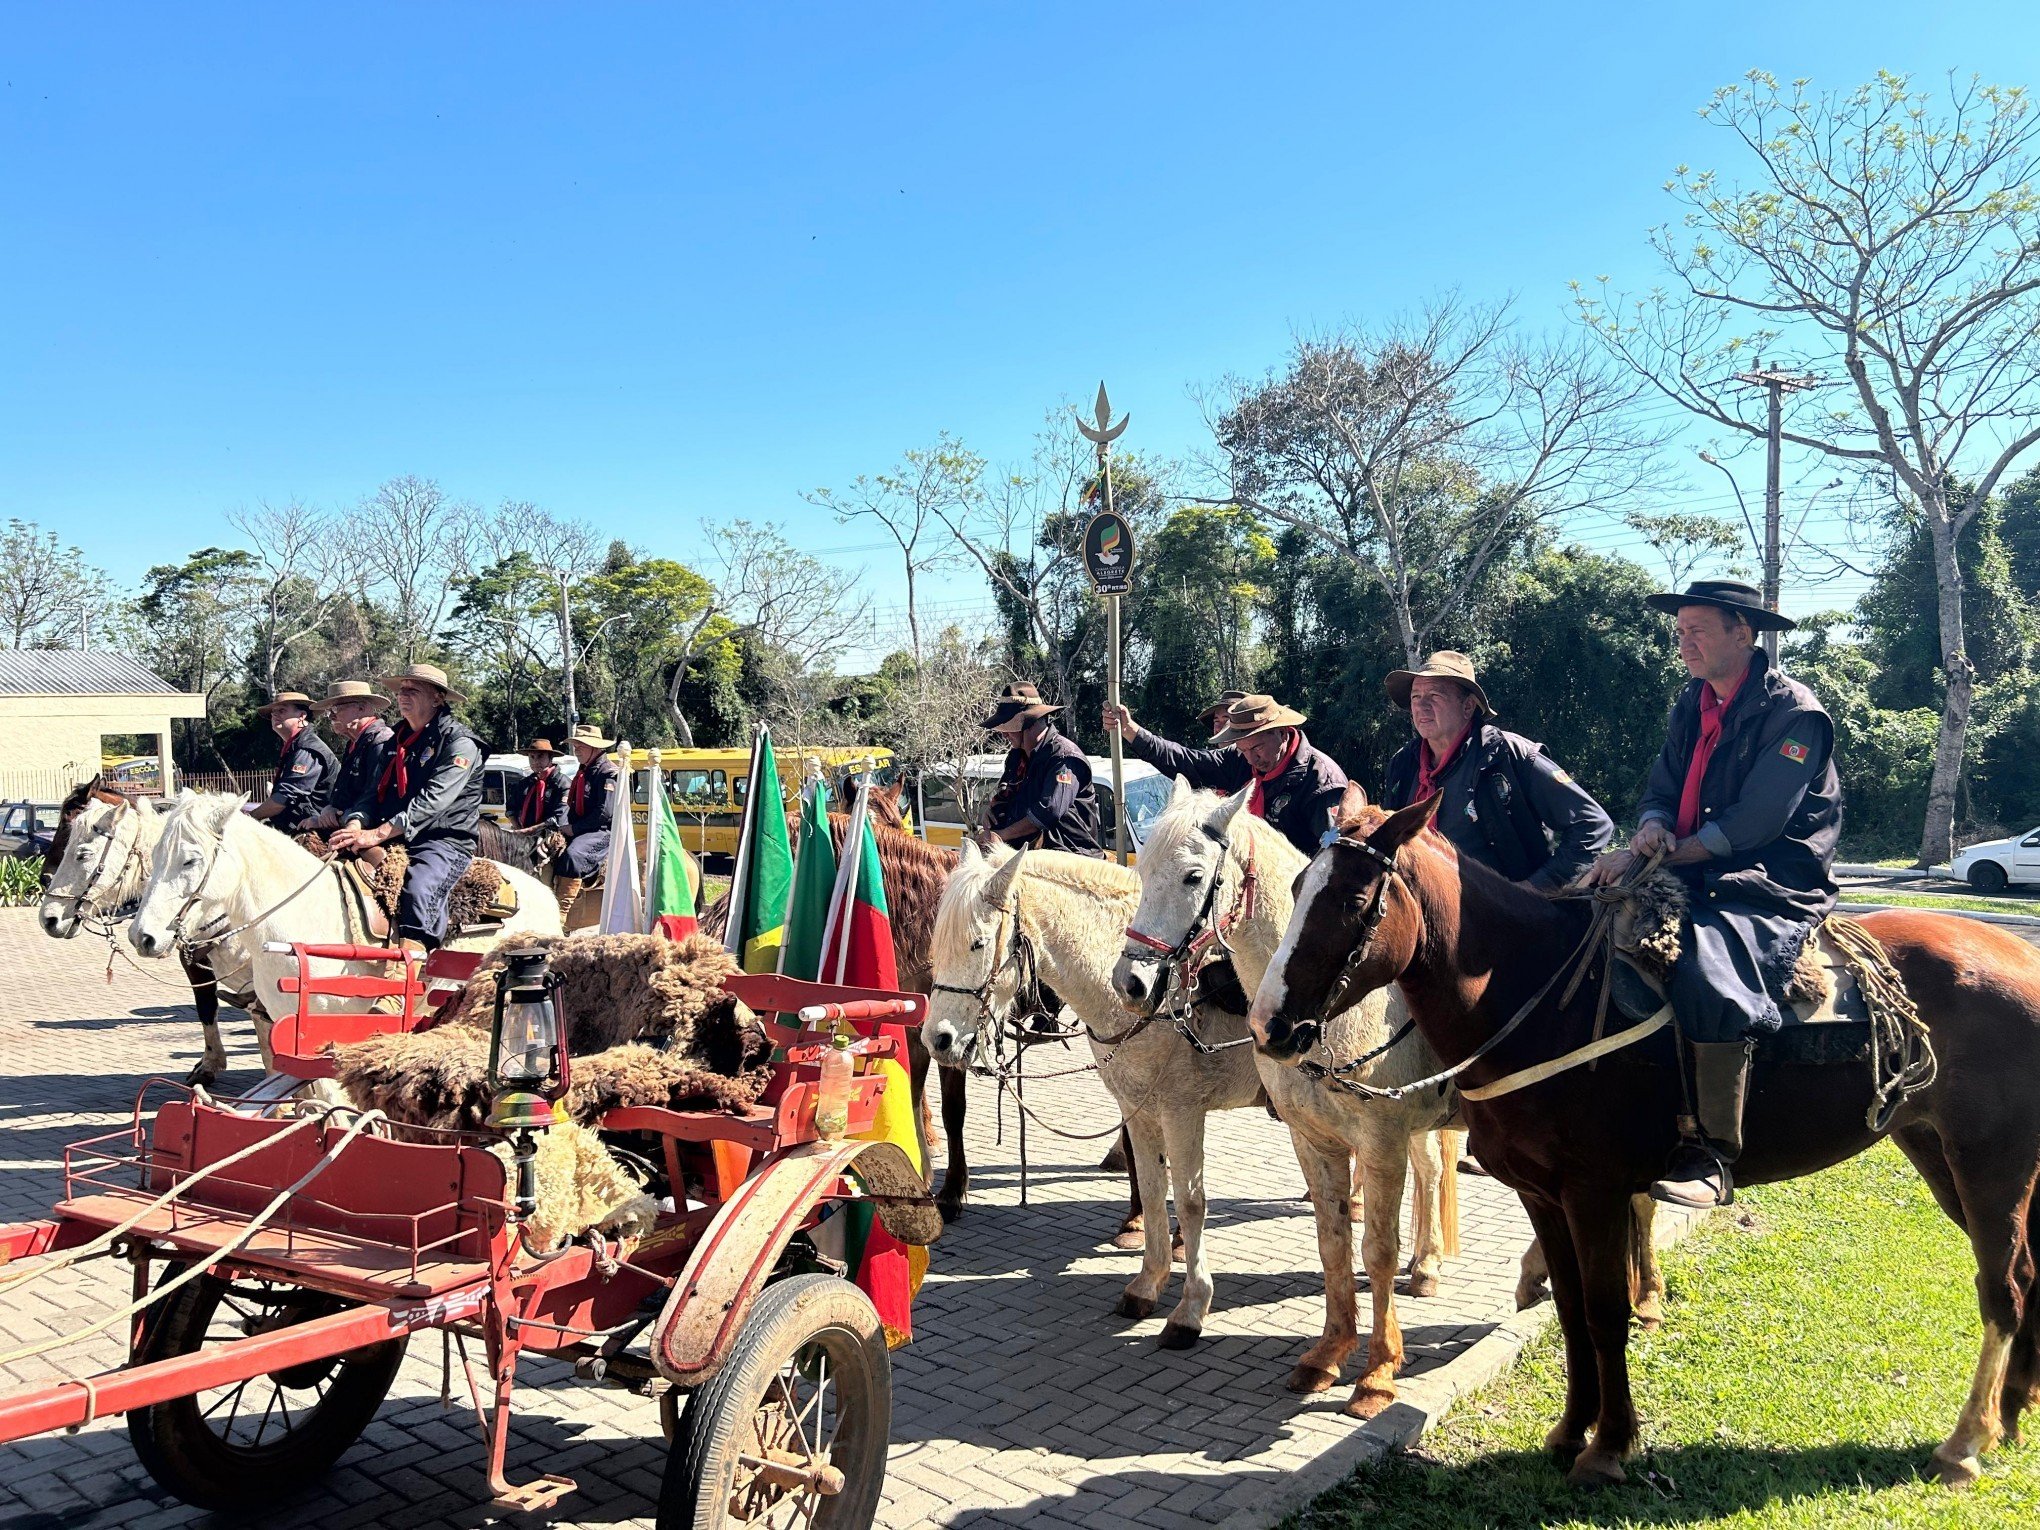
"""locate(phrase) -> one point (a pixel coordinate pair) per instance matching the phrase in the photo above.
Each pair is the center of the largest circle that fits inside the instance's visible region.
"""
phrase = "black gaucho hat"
(1745, 600)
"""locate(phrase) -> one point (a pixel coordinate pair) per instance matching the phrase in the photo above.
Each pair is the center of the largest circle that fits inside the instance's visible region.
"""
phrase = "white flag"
(623, 902)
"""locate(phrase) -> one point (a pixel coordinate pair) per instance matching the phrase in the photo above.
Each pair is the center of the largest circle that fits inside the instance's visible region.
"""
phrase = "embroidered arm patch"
(1794, 751)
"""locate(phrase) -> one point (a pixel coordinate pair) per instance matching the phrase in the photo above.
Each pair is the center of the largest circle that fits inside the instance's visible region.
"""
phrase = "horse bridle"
(1020, 955)
(1202, 941)
(84, 904)
(1341, 989)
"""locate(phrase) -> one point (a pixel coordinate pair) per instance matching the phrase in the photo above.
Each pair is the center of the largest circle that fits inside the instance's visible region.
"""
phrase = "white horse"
(104, 863)
(1065, 913)
(1193, 866)
(216, 869)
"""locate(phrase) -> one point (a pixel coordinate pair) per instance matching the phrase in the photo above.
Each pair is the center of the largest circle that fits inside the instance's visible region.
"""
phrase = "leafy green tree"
(196, 618)
(1204, 576)
(654, 626)
(1898, 613)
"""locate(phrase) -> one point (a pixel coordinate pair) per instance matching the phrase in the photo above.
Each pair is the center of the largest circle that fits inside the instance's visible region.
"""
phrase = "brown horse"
(1386, 903)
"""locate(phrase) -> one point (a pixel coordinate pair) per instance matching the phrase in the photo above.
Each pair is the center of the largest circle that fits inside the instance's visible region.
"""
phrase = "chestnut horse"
(1386, 903)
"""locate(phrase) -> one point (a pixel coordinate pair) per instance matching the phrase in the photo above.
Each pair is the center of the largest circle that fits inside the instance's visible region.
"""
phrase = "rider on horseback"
(1045, 797)
(542, 805)
(429, 794)
(1506, 802)
(590, 802)
(356, 709)
(1744, 804)
(304, 771)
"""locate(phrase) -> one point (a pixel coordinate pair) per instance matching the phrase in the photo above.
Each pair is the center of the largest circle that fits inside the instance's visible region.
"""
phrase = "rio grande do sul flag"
(857, 949)
(669, 891)
(764, 869)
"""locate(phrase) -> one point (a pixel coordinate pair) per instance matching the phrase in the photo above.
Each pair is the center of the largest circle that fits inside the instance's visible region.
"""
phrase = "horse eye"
(1193, 878)
(978, 944)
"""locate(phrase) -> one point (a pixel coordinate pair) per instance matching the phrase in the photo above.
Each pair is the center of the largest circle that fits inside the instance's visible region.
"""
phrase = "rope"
(106, 1240)
(1902, 1060)
(254, 1225)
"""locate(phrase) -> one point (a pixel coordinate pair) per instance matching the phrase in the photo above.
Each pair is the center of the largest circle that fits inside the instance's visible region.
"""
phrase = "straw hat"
(283, 699)
(1018, 702)
(1251, 716)
(351, 690)
(1442, 665)
(592, 737)
(431, 674)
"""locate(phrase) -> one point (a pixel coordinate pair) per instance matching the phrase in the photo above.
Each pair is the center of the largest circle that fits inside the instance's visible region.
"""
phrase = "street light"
(1756, 542)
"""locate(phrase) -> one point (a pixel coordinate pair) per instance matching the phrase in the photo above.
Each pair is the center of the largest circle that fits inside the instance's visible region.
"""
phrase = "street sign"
(1108, 553)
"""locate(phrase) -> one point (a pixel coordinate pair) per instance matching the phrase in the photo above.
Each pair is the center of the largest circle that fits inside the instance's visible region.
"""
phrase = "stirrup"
(1692, 1190)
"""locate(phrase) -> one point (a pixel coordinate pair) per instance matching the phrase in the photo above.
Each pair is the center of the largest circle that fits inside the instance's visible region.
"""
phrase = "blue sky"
(648, 265)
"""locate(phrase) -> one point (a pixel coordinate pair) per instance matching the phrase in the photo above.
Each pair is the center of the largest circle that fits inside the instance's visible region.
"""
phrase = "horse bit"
(1202, 943)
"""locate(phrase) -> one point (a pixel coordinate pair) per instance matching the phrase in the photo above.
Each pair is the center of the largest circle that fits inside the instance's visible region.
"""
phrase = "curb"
(1419, 1404)
(1423, 1400)
(1850, 906)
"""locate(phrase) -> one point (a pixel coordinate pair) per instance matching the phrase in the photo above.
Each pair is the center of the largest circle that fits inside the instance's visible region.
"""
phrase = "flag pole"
(747, 834)
(654, 784)
(835, 929)
(1102, 435)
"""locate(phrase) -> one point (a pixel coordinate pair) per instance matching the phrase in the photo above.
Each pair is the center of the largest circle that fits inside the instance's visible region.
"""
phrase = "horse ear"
(1181, 792)
(1229, 810)
(998, 893)
(1350, 804)
(969, 855)
(1405, 825)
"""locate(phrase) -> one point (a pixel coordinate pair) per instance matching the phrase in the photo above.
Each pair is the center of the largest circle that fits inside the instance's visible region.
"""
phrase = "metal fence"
(55, 785)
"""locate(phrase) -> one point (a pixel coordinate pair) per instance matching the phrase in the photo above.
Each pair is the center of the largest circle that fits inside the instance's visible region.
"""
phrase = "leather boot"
(569, 888)
(1711, 1139)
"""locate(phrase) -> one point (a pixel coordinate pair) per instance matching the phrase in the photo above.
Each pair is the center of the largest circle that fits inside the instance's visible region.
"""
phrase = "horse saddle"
(1826, 1017)
(481, 898)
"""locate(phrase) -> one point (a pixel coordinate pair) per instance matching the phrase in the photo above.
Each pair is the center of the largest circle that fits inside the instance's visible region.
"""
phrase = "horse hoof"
(1529, 1293)
(1129, 1238)
(1176, 1250)
(201, 1076)
(1115, 1161)
(1312, 1378)
(1649, 1319)
(1956, 1473)
(1562, 1445)
(1177, 1335)
(1367, 1402)
(1596, 1468)
(1135, 1307)
(952, 1211)
(1423, 1285)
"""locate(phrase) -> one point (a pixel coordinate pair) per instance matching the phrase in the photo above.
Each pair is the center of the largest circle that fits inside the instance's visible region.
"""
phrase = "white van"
(945, 808)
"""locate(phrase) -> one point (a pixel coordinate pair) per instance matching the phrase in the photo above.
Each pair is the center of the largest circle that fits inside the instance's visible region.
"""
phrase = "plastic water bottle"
(832, 1096)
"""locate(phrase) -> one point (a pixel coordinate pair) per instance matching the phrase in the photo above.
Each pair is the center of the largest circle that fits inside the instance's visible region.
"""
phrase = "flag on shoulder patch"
(1066, 777)
(460, 762)
(1794, 751)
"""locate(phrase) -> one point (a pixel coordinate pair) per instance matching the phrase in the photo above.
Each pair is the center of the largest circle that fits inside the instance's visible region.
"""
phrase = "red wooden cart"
(255, 1374)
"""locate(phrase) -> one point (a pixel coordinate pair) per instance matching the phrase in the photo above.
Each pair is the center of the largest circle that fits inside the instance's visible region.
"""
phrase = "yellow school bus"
(708, 787)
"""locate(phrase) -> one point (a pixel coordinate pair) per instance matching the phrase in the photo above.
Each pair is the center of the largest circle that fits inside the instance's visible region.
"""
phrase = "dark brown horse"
(1387, 903)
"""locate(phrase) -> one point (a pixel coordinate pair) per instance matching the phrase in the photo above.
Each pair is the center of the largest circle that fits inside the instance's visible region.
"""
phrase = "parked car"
(1992, 865)
(1147, 794)
(26, 829)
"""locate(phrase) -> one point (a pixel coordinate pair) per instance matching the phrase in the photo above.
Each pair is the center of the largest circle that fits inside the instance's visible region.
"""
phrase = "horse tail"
(1448, 1193)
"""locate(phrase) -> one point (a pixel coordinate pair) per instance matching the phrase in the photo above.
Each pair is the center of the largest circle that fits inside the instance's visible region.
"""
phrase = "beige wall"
(59, 735)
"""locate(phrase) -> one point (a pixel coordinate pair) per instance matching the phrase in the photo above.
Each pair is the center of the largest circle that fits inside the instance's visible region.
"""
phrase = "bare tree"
(303, 566)
(934, 716)
(1894, 252)
(415, 546)
(1424, 449)
(908, 502)
(47, 590)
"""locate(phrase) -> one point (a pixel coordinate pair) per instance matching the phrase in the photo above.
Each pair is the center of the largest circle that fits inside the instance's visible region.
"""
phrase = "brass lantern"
(527, 1061)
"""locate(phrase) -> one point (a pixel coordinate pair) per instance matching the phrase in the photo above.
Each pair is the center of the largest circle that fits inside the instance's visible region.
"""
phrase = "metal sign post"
(1108, 559)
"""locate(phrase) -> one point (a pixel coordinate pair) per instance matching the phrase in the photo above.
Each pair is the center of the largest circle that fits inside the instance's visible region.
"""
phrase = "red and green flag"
(670, 889)
(857, 950)
(764, 868)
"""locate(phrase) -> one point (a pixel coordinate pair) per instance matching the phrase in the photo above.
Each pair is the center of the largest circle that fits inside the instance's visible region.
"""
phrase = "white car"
(1994, 864)
(1147, 793)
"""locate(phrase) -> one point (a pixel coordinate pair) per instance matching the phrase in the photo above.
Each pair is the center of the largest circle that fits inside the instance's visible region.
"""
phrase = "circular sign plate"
(1108, 553)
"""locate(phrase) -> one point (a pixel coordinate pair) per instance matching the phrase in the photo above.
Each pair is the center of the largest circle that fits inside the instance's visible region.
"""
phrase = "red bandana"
(397, 771)
(577, 799)
(532, 809)
(1430, 770)
(1712, 709)
(1255, 804)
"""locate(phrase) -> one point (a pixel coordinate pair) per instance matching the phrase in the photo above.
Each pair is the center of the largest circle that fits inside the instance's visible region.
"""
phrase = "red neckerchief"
(396, 770)
(577, 799)
(1431, 770)
(1255, 804)
(1713, 709)
(532, 809)
(283, 757)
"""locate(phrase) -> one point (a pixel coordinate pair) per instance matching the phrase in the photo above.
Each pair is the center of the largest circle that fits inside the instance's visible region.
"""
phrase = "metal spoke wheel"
(245, 1445)
(792, 1431)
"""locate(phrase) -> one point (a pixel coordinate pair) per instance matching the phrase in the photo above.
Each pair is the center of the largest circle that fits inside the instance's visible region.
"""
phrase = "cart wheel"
(793, 1429)
(247, 1445)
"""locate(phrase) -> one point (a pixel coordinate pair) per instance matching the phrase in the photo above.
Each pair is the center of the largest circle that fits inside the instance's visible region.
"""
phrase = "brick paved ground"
(1024, 1401)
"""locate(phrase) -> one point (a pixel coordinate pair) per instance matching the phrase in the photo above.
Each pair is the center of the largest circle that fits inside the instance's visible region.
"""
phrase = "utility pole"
(567, 651)
(1777, 384)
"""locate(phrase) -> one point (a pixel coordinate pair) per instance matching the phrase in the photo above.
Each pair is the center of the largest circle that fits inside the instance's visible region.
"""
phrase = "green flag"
(814, 877)
(764, 870)
(672, 892)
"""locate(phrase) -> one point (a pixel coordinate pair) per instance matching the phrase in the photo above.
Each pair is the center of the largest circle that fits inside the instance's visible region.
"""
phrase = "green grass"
(1946, 902)
(1818, 1344)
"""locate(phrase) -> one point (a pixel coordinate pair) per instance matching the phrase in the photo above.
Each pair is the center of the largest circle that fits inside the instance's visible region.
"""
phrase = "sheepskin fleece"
(580, 1186)
(1648, 930)
(647, 1024)
(474, 895)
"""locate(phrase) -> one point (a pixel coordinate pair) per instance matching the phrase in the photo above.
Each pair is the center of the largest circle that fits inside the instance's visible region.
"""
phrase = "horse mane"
(1187, 817)
(1099, 881)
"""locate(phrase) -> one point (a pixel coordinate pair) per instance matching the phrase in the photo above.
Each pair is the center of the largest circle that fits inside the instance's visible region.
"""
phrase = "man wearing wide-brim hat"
(305, 769)
(590, 804)
(1744, 803)
(355, 709)
(428, 794)
(1505, 802)
(1045, 797)
(1296, 785)
(542, 804)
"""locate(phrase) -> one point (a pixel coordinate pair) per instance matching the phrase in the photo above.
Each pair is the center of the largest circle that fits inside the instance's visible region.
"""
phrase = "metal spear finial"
(1104, 433)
